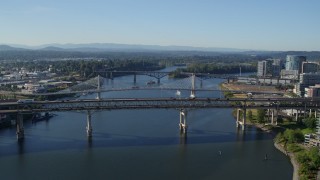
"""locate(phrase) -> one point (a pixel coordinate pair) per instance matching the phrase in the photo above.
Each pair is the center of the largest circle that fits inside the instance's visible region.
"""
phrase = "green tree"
(260, 115)
(310, 122)
(293, 136)
(250, 117)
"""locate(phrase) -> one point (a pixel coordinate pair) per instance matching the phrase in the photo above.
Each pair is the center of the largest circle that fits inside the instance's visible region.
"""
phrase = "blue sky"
(245, 24)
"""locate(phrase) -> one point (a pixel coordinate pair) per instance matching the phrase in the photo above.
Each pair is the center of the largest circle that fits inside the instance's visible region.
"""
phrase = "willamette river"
(141, 144)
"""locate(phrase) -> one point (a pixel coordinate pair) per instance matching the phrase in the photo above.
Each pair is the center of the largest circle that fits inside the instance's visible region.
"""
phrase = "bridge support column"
(158, 80)
(315, 113)
(305, 111)
(183, 121)
(238, 117)
(20, 129)
(272, 116)
(111, 76)
(277, 115)
(310, 113)
(134, 78)
(244, 116)
(297, 114)
(89, 126)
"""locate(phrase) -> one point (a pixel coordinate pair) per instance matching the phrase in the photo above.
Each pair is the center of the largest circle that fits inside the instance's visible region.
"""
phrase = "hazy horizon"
(288, 25)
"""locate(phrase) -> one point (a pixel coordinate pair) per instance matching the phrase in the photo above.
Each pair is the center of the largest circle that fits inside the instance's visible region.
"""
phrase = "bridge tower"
(19, 124)
(89, 126)
(98, 89)
(183, 121)
(193, 82)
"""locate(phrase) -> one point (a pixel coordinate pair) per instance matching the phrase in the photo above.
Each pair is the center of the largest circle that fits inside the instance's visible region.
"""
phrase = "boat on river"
(151, 82)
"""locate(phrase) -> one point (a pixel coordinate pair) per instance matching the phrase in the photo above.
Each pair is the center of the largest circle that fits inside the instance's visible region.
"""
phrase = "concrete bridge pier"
(158, 80)
(272, 116)
(134, 78)
(277, 115)
(89, 126)
(183, 122)
(111, 76)
(238, 117)
(20, 129)
(244, 116)
(297, 115)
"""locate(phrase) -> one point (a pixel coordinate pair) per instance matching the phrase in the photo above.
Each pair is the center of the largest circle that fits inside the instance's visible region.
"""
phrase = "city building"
(294, 62)
(309, 67)
(276, 67)
(264, 68)
(289, 74)
(306, 80)
(312, 91)
(314, 138)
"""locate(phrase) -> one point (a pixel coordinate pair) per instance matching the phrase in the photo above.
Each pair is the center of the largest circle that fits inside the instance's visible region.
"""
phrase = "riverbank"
(293, 160)
(263, 127)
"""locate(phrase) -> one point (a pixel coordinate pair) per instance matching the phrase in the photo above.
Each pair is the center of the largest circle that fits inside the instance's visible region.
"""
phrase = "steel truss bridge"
(183, 105)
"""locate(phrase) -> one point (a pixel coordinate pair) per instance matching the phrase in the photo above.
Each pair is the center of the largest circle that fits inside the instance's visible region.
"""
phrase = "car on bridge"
(25, 101)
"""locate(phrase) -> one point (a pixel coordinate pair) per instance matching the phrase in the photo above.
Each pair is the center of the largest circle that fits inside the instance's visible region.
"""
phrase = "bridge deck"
(160, 103)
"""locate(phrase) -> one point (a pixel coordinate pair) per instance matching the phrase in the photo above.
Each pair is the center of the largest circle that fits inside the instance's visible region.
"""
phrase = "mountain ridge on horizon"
(118, 47)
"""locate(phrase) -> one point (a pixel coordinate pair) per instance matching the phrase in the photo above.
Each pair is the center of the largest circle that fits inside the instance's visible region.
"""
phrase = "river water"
(141, 144)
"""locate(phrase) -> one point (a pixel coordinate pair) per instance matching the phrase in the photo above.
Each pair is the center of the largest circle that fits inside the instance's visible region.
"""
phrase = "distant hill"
(52, 48)
(108, 47)
(127, 51)
(9, 48)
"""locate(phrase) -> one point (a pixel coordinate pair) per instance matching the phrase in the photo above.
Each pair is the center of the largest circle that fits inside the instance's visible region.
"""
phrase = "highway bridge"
(183, 105)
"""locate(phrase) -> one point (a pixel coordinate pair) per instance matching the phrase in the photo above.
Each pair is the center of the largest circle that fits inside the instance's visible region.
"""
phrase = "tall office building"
(310, 67)
(294, 62)
(264, 68)
(276, 67)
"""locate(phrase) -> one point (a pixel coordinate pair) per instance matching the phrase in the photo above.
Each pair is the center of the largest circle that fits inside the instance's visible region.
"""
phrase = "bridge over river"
(183, 105)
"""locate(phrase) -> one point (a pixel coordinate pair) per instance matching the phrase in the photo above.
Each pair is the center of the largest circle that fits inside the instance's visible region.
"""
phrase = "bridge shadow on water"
(34, 143)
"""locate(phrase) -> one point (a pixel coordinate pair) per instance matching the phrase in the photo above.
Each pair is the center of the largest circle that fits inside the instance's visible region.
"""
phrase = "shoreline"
(295, 164)
(292, 158)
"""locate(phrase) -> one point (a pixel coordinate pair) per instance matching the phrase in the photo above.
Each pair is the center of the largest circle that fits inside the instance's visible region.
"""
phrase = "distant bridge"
(95, 85)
